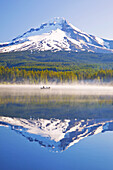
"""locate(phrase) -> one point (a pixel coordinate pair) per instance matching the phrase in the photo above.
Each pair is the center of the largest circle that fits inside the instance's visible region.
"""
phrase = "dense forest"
(59, 67)
(27, 58)
(16, 75)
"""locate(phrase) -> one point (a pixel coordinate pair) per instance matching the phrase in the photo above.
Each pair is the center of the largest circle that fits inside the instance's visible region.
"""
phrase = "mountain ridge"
(57, 35)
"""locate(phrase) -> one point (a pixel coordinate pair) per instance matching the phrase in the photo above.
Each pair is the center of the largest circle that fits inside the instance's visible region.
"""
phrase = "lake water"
(56, 129)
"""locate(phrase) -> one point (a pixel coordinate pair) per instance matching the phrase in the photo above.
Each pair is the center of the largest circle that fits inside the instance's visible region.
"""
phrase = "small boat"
(45, 87)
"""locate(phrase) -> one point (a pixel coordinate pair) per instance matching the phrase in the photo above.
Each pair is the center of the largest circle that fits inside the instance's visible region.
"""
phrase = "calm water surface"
(43, 130)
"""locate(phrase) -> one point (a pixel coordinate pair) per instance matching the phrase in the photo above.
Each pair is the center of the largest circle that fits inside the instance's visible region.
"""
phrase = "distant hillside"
(26, 58)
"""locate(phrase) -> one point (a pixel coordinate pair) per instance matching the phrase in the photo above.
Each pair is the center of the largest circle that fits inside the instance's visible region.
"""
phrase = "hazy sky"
(92, 16)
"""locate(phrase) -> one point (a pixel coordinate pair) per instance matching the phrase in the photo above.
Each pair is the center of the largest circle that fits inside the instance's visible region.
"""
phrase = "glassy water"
(44, 130)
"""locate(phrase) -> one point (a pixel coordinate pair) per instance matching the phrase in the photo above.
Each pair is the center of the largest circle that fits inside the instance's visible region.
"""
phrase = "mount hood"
(57, 35)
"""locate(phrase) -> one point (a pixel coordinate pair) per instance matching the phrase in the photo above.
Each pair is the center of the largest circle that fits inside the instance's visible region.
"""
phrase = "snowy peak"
(44, 28)
(52, 25)
(57, 35)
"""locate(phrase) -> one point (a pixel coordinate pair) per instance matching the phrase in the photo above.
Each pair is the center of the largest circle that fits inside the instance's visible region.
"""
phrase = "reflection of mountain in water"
(55, 134)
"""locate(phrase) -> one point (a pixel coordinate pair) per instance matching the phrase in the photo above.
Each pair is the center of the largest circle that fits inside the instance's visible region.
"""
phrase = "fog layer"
(70, 89)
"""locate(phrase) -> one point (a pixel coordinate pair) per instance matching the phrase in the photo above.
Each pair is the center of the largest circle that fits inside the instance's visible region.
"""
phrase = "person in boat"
(45, 87)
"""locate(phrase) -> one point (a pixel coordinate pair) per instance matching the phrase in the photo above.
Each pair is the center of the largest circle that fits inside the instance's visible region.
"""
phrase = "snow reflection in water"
(55, 134)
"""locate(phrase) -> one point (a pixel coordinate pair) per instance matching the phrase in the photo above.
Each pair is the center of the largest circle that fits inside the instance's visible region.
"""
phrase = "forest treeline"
(27, 58)
(16, 75)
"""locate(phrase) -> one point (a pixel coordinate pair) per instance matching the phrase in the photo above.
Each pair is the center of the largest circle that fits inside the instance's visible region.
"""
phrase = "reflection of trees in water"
(55, 99)
(56, 106)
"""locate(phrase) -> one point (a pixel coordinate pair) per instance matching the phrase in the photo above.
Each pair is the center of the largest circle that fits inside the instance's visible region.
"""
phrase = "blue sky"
(92, 16)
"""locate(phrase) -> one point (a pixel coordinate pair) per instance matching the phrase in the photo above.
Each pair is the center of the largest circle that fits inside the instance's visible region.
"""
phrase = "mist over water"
(59, 89)
(72, 101)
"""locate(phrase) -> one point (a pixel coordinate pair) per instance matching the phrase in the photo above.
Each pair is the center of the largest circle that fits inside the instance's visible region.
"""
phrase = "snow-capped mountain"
(54, 134)
(56, 35)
